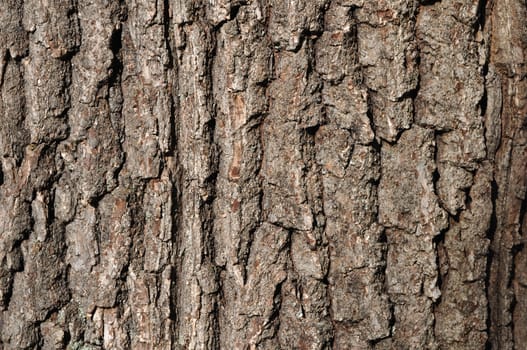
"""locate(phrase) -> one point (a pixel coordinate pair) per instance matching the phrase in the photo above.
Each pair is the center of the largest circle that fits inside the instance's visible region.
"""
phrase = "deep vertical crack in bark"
(507, 60)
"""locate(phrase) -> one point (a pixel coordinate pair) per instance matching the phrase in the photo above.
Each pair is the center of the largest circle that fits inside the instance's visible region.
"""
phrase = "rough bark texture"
(263, 174)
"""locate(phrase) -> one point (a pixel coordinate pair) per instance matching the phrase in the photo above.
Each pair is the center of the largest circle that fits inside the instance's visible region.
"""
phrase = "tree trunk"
(265, 174)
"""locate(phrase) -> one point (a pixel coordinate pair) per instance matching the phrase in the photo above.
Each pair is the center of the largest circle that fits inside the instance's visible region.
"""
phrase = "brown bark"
(228, 174)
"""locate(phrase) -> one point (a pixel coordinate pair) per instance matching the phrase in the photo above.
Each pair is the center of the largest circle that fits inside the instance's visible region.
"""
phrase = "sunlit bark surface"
(263, 174)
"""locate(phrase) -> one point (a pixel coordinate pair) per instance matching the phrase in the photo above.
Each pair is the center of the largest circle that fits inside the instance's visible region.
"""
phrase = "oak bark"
(263, 174)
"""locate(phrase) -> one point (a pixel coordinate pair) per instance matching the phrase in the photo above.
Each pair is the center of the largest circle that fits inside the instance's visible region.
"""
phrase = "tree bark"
(265, 174)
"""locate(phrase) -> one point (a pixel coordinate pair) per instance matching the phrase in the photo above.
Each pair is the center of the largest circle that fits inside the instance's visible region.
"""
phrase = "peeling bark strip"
(263, 174)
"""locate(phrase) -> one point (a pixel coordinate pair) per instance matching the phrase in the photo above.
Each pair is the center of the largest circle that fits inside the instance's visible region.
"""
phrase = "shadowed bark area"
(264, 174)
